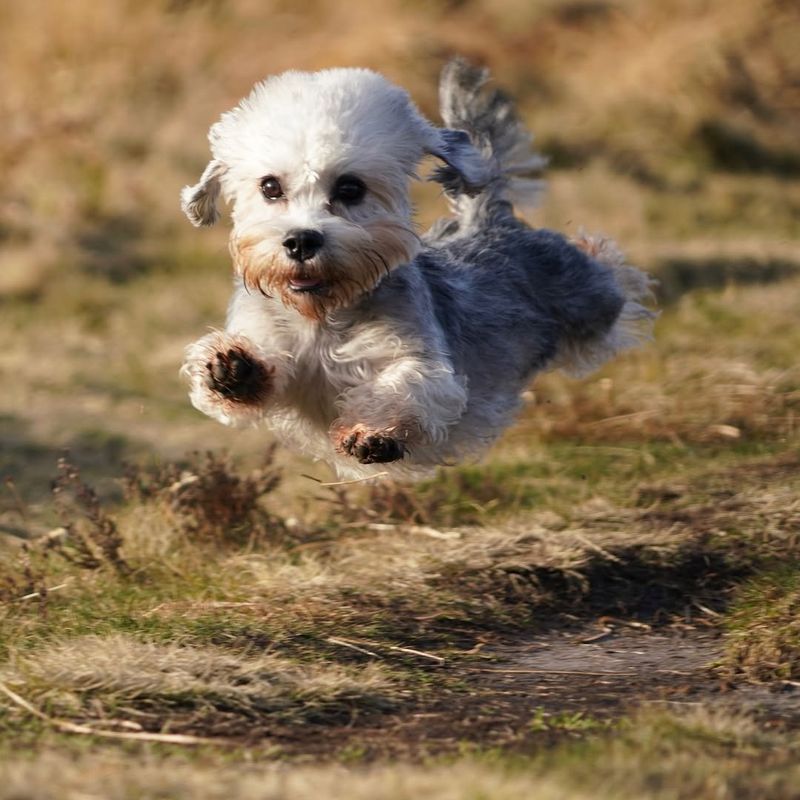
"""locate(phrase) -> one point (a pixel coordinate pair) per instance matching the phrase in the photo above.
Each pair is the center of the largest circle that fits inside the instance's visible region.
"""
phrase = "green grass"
(676, 755)
(568, 721)
(763, 641)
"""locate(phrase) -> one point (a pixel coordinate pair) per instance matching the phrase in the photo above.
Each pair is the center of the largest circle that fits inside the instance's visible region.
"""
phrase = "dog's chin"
(314, 297)
(314, 291)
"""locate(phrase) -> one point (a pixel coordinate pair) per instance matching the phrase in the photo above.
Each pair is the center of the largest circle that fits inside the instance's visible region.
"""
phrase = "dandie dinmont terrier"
(359, 341)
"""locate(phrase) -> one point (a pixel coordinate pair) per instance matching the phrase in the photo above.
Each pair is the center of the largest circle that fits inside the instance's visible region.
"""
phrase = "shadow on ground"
(678, 276)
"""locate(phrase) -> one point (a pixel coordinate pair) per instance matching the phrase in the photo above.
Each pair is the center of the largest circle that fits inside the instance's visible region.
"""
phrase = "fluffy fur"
(380, 349)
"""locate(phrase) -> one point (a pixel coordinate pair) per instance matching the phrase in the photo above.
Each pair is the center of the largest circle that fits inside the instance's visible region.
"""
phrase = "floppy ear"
(199, 202)
(466, 170)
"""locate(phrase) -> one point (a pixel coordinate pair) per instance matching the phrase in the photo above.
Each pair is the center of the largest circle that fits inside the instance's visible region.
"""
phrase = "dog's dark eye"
(271, 188)
(349, 190)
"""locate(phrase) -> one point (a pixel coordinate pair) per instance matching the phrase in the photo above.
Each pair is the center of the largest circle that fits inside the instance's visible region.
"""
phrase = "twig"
(707, 610)
(345, 643)
(34, 595)
(427, 530)
(344, 483)
(420, 653)
(596, 547)
(619, 418)
(203, 604)
(599, 637)
(355, 645)
(86, 730)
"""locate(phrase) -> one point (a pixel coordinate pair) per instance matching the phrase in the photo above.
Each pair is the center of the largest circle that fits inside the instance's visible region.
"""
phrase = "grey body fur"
(498, 300)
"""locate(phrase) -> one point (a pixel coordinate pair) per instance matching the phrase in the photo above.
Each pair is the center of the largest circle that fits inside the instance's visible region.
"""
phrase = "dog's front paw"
(370, 447)
(231, 379)
(238, 376)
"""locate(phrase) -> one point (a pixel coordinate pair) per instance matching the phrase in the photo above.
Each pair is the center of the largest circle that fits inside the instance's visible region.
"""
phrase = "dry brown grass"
(97, 678)
(219, 601)
(107, 108)
(722, 369)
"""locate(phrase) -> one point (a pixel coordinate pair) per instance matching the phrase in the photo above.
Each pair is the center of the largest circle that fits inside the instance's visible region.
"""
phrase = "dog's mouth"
(307, 284)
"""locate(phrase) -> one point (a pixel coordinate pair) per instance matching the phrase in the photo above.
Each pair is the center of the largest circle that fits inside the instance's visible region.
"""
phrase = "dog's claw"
(237, 376)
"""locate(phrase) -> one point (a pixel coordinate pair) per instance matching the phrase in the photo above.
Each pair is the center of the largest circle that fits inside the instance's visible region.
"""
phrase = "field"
(605, 606)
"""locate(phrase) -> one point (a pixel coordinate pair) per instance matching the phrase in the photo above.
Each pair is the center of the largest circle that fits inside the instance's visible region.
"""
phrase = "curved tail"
(489, 117)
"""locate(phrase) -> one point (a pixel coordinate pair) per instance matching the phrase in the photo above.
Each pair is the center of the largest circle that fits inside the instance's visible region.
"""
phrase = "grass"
(147, 571)
(98, 676)
(382, 631)
(575, 721)
(764, 632)
(240, 617)
(679, 756)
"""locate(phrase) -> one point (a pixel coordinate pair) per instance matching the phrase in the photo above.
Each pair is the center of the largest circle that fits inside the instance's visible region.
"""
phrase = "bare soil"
(554, 686)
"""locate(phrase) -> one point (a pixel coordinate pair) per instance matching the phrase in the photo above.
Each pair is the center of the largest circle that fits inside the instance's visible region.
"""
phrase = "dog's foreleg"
(413, 401)
(230, 378)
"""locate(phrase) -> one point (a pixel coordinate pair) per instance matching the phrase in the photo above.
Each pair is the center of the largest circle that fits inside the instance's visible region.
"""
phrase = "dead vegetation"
(725, 372)
(231, 598)
(119, 680)
(207, 498)
(89, 537)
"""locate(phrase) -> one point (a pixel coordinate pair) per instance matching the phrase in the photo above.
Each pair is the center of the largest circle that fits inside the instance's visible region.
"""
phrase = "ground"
(605, 606)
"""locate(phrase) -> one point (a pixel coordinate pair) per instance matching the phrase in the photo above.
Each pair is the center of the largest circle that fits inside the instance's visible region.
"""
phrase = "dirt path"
(563, 684)
(625, 651)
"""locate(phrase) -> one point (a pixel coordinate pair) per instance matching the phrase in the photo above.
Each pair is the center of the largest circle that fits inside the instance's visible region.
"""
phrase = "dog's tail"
(490, 119)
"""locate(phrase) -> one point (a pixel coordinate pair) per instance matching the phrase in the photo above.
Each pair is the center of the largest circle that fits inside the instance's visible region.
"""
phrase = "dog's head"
(317, 167)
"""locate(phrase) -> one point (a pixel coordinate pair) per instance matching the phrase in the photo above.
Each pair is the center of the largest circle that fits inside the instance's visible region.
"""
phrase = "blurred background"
(670, 125)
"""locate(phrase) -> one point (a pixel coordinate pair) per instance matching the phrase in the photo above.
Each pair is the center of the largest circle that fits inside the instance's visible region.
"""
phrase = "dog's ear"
(199, 202)
(466, 169)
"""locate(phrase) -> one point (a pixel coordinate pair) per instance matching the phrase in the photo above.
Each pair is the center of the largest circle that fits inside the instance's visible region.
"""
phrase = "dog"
(360, 342)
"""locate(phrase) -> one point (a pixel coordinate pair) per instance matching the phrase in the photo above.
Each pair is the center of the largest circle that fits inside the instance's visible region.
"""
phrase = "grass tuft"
(208, 498)
(167, 684)
(763, 641)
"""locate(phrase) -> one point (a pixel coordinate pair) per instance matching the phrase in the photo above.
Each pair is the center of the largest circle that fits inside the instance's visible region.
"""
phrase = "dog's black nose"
(302, 245)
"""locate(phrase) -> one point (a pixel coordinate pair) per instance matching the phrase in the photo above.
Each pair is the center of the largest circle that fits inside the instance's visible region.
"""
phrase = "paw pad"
(373, 448)
(235, 375)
